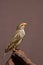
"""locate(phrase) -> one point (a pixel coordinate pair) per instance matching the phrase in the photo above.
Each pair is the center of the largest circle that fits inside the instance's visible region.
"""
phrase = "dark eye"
(21, 25)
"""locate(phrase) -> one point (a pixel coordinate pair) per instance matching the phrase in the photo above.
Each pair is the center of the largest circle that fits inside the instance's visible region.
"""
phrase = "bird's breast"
(22, 33)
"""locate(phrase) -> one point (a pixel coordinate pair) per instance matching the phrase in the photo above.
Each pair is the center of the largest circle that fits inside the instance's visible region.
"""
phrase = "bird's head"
(22, 25)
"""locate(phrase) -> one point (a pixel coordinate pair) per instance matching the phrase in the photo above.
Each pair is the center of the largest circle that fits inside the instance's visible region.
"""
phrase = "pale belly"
(22, 33)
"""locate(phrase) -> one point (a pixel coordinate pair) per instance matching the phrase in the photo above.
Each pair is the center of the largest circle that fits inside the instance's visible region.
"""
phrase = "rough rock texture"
(18, 57)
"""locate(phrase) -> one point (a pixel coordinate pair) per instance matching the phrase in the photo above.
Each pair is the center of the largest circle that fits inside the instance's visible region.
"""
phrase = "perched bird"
(17, 38)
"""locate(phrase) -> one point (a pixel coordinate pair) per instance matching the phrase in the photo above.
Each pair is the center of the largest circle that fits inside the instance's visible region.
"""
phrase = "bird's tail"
(9, 48)
(5, 52)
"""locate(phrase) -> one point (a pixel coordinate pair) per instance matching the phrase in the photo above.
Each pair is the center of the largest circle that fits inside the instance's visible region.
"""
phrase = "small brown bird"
(17, 38)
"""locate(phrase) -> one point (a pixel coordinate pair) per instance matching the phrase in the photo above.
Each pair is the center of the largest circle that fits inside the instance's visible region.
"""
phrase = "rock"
(18, 57)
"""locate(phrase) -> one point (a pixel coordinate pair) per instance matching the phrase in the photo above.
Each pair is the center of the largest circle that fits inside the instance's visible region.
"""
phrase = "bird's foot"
(15, 49)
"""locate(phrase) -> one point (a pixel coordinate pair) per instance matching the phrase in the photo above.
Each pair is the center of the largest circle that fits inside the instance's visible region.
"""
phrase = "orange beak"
(25, 24)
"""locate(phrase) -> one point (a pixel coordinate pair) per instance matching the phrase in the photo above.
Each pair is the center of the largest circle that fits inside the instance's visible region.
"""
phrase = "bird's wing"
(13, 42)
(15, 38)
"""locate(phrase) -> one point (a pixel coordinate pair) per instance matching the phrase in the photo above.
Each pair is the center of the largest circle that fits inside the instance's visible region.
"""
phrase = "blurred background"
(12, 13)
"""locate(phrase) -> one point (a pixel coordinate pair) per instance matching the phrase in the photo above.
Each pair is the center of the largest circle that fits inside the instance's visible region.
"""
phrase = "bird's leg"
(17, 47)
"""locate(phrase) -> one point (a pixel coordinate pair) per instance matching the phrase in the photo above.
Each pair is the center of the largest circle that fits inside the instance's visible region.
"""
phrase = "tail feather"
(7, 50)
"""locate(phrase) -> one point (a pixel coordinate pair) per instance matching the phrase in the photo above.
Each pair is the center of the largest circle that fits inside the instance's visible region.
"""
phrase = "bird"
(17, 38)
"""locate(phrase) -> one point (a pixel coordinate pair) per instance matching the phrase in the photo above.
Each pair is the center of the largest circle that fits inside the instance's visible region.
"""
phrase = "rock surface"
(18, 57)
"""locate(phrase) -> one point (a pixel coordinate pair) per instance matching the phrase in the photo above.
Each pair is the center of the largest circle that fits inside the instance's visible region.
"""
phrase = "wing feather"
(13, 42)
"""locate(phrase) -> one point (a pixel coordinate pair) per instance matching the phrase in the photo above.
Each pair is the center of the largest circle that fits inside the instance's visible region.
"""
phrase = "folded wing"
(15, 39)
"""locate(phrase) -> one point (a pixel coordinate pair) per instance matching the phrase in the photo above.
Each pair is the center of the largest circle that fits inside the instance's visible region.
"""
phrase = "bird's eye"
(21, 25)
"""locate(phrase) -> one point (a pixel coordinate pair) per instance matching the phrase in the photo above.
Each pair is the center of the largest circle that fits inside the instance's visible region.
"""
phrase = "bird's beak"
(25, 24)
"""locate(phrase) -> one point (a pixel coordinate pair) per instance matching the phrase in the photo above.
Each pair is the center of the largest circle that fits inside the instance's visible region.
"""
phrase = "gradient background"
(13, 12)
